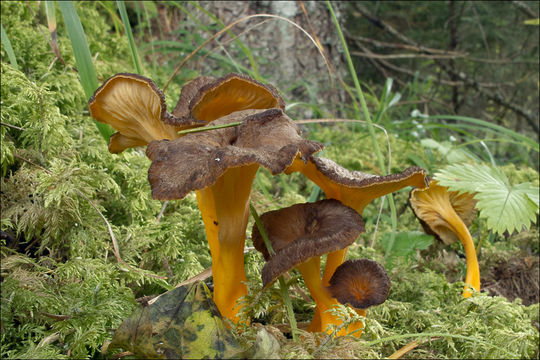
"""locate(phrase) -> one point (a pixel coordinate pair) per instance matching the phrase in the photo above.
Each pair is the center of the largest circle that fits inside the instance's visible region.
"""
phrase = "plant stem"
(282, 284)
(365, 110)
(206, 128)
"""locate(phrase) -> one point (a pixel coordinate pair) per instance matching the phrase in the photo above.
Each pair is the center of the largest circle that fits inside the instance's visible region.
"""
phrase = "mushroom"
(361, 283)
(447, 215)
(135, 107)
(220, 165)
(300, 235)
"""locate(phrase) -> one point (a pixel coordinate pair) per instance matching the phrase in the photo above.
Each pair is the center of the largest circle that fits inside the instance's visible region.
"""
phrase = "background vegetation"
(82, 240)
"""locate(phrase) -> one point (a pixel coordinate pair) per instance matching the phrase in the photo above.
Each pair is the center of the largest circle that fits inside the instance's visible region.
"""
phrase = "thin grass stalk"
(443, 335)
(9, 49)
(244, 48)
(282, 284)
(245, 18)
(147, 19)
(183, 9)
(83, 59)
(485, 124)
(365, 110)
(129, 34)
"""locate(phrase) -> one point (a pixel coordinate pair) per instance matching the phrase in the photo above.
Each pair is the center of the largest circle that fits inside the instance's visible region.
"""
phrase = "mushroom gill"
(447, 215)
(135, 107)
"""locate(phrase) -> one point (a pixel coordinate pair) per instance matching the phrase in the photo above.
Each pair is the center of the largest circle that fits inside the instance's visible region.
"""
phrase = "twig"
(12, 126)
(404, 56)
(167, 266)
(524, 8)
(410, 346)
(162, 211)
(377, 223)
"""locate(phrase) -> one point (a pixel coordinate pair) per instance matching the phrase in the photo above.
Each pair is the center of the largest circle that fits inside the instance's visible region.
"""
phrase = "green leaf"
(506, 207)
(9, 49)
(532, 22)
(405, 244)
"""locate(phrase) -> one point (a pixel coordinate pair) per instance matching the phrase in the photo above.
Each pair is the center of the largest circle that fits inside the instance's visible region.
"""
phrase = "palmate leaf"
(506, 207)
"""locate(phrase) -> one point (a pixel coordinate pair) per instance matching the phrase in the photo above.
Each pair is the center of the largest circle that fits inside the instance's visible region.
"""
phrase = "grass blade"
(83, 59)
(9, 49)
(371, 129)
(129, 34)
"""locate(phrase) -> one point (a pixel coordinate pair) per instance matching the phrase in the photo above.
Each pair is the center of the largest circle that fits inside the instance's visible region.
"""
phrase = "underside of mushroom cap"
(303, 231)
(361, 283)
(230, 93)
(355, 188)
(428, 205)
(195, 161)
(135, 107)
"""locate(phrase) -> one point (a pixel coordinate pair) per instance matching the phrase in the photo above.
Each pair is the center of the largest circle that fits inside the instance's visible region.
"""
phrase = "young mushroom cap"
(361, 283)
(135, 107)
(304, 231)
(447, 214)
(220, 164)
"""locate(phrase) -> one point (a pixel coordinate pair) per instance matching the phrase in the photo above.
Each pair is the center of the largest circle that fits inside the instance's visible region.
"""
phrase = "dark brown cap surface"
(303, 231)
(361, 283)
(195, 161)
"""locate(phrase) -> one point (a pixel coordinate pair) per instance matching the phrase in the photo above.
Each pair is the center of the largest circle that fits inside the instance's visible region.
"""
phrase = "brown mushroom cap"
(303, 231)
(230, 93)
(135, 107)
(361, 283)
(195, 161)
(428, 204)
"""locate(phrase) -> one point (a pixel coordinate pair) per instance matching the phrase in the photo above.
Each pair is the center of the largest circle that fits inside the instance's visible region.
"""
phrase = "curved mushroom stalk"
(225, 210)
(447, 215)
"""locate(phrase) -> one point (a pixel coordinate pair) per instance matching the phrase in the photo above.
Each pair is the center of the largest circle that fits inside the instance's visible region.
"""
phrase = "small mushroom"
(447, 215)
(135, 107)
(220, 165)
(361, 283)
(300, 235)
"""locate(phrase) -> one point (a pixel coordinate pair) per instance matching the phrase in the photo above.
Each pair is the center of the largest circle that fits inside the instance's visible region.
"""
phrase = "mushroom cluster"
(300, 235)
(220, 165)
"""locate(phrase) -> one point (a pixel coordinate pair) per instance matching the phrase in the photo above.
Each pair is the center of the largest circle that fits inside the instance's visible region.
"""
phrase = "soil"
(518, 277)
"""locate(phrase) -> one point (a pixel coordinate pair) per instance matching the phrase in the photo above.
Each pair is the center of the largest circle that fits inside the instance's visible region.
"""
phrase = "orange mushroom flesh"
(220, 165)
(300, 235)
(354, 189)
(135, 107)
(447, 214)
(360, 283)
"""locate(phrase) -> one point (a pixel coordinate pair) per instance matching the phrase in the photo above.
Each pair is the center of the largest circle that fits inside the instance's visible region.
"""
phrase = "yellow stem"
(473, 270)
(225, 209)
